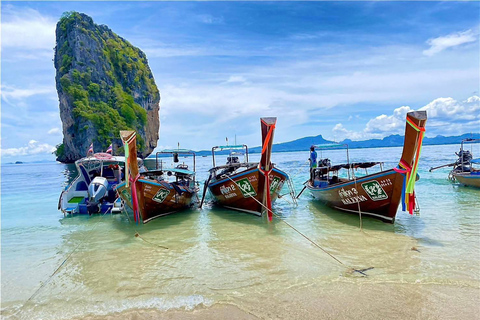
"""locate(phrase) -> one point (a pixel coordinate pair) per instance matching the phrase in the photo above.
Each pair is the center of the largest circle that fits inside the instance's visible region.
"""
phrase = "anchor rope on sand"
(358, 200)
(361, 271)
(137, 234)
(61, 264)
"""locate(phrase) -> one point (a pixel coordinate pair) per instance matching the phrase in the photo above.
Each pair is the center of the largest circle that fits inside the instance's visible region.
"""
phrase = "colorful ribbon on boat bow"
(267, 173)
(410, 172)
(269, 135)
(267, 182)
(136, 212)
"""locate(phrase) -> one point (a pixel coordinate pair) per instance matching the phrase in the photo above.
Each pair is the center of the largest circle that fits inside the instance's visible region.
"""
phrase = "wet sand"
(336, 301)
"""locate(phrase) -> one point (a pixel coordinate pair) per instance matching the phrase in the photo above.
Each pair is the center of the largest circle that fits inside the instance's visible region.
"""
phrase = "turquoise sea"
(425, 266)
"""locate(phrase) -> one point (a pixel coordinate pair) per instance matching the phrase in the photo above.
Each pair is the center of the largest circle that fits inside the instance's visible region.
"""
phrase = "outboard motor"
(324, 163)
(464, 156)
(97, 190)
(463, 162)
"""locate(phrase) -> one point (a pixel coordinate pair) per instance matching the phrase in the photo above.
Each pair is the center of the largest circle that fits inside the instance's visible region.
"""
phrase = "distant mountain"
(393, 140)
(295, 145)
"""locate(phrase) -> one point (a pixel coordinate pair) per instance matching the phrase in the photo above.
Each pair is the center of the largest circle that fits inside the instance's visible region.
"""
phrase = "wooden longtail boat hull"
(468, 179)
(159, 198)
(147, 197)
(375, 195)
(379, 195)
(238, 195)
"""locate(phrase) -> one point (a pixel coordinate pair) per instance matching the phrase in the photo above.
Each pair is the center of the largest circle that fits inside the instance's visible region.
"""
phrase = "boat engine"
(463, 162)
(97, 190)
(231, 160)
(324, 163)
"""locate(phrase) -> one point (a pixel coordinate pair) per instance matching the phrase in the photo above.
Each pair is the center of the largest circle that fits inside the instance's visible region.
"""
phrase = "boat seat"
(71, 208)
(108, 173)
(81, 186)
(75, 200)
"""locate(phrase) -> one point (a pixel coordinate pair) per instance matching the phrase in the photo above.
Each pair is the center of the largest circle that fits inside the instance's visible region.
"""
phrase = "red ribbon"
(136, 213)
(269, 198)
(267, 138)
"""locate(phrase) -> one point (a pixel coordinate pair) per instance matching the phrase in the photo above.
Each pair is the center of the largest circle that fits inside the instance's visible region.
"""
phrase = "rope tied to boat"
(43, 284)
(361, 271)
(410, 172)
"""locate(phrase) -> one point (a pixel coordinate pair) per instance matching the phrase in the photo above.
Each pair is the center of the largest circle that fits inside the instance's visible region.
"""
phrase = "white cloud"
(54, 131)
(33, 147)
(27, 29)
(448, 108)
(209, 19)
(445, 116)
(236, 79)
(389, 124)
(452, 40)
(341, 133)
(10, 92)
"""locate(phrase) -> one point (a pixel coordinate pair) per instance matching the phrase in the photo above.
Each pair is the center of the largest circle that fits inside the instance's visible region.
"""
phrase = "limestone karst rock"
(104, 85)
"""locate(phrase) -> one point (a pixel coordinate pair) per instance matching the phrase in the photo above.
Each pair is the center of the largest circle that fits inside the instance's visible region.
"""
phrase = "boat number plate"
(374, 190)
(274, 184)
(246, 188)
(161, 195)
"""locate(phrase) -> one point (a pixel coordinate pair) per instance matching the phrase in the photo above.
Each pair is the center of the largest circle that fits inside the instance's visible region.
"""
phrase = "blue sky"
(340, 69)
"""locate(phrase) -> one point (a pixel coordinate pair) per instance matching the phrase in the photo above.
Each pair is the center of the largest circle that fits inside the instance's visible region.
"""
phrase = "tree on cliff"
(104, 85)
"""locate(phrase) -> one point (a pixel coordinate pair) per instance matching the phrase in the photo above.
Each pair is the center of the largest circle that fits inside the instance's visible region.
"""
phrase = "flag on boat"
(109, 150)
(90, 150)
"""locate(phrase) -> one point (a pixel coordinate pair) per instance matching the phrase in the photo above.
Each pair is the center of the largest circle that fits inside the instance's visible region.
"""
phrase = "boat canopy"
(175, 151)
(238, 146)
(354, 165)
(177, 170)
(476, 161)
(232, 147)
(96, 158)
(330, 145)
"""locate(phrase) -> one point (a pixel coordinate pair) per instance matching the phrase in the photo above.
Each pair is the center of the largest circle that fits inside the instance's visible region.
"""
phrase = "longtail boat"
(159, 192)
(464, 170)
(249, 187)
(379, 194)
(93, 190)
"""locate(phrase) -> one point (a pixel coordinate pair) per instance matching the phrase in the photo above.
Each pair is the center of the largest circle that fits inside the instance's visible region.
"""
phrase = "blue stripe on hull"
(244, 173)
(341, 185)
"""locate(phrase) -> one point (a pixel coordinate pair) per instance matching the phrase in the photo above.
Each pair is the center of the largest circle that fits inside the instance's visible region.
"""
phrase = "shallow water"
(218, 257)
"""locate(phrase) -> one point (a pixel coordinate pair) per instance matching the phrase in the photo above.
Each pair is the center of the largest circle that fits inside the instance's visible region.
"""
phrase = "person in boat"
(313, 161)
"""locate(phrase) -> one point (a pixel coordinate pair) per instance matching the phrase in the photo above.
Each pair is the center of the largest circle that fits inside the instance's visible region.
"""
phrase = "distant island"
(394, 140)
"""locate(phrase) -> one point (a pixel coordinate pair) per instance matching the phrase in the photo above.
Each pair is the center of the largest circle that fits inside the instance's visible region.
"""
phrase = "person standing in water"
(313, 161)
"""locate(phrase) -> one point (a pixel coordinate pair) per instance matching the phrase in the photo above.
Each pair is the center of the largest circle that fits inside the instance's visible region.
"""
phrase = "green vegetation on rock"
(104, 78)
